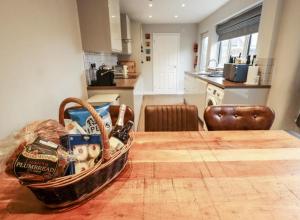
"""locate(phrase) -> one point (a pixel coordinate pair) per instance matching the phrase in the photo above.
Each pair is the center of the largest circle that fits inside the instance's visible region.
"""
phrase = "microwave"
(235, 72)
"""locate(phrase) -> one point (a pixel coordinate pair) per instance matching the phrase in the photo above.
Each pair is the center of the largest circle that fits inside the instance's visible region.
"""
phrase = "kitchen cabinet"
(195, 93)
(126, 34)
(138, 93)
(129, 90)
(100, 25)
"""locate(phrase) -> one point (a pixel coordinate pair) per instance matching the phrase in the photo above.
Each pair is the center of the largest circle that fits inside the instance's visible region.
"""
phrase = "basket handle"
(96, 117)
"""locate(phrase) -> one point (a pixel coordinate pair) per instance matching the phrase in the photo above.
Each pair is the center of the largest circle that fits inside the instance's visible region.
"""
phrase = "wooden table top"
(188, 175)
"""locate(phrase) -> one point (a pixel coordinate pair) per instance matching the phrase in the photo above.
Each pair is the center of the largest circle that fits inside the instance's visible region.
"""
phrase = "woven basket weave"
(69, 191)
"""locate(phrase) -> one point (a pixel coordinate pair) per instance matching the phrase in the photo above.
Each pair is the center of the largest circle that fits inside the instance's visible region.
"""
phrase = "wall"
(228, 10)
(188, 34)
(268, 28)
(284, 96)
(40, 59)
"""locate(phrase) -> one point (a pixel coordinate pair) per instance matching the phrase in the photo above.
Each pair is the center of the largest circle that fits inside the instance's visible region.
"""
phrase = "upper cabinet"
(115, 25)
(100, 25)
(126, 34)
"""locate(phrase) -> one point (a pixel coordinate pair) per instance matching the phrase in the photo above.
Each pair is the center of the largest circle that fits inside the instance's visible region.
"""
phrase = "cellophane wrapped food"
(40, 142)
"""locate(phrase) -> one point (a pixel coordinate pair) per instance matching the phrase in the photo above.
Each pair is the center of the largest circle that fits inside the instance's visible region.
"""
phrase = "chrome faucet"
(216, 63)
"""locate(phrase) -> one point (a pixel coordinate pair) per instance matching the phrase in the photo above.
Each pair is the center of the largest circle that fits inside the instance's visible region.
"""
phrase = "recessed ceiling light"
(150, 5)
(150, 16)
(113, 16)
(183, 5)
(175, 16)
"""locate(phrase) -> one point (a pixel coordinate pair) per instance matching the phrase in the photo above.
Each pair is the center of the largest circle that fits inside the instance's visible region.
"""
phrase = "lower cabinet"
(195, 93)
(138, 99)
(130, 97)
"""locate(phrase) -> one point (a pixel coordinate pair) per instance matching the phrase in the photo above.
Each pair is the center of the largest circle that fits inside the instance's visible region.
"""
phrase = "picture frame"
(147, 36)
(148, 58)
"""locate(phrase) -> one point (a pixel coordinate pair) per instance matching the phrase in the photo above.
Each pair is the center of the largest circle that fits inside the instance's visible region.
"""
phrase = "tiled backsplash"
(99, 59)
(266, 66)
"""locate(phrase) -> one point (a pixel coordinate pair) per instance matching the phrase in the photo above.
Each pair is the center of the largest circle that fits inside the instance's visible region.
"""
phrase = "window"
(203, 55)
(237, 46)
(244, 45)
(224, 52)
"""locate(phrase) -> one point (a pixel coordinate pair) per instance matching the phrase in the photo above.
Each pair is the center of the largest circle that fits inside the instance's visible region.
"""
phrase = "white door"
(165, 63)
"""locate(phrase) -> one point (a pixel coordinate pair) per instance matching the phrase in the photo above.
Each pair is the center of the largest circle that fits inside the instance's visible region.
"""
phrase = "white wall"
(284, 96)
(268, 28)
(228, 10)
(41, 62)
(188, 34)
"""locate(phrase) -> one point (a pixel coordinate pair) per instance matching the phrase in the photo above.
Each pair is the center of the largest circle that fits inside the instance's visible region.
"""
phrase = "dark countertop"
(120, 83)
(223, 83)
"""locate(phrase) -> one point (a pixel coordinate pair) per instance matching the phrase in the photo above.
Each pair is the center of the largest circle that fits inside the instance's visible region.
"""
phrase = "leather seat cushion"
(238, 117)
(171, 118)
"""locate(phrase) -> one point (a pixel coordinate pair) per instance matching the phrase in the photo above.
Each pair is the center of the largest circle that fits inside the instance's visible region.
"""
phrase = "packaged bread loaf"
(33, 141)
(40, 161)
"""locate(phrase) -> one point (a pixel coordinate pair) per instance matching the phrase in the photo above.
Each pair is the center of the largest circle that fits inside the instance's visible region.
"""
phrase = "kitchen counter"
(120, 83)
(130, 91)
(187, 175)
(223, 83)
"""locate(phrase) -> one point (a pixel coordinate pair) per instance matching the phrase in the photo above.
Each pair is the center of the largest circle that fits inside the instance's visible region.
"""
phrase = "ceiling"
(169, 11)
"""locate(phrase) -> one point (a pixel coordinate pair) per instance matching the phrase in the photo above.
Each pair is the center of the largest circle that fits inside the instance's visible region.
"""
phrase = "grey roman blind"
(243, 24)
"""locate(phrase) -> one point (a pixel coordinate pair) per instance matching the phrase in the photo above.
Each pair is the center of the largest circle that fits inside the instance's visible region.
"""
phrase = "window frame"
(202, 37)
(246, 48)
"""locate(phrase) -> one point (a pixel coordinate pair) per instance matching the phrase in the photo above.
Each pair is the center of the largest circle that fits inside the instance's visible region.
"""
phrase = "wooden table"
(188, 175)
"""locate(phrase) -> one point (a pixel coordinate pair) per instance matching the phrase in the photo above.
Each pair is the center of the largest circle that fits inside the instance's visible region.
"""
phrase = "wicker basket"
(68, 191)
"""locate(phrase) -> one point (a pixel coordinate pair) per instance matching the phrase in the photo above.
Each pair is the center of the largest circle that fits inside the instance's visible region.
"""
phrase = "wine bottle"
(248, 60)
(120, 121)
(120, 137)
(123, 135)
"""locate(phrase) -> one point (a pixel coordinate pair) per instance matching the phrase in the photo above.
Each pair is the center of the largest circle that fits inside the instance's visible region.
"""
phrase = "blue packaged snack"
(86, 121)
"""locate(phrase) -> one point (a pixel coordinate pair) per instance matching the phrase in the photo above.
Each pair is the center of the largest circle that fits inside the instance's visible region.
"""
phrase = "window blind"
(243, 24)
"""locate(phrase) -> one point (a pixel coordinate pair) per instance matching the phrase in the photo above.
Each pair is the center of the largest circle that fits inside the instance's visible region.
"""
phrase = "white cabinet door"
(195, 93)
(138, 100)
(115, 25)
(187, 89)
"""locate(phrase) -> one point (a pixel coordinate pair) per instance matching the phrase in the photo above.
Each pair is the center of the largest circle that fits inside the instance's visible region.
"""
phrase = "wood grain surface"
(221, 82)
(188, 175)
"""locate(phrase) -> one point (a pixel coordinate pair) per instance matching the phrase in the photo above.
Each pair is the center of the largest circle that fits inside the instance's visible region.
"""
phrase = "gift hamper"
(72, 190)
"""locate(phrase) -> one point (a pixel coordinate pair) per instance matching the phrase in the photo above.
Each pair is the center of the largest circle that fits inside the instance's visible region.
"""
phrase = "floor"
(157, 100)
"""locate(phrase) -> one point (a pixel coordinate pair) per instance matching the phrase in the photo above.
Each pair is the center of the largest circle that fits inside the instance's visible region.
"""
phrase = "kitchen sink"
(210, 74)
(215, 74)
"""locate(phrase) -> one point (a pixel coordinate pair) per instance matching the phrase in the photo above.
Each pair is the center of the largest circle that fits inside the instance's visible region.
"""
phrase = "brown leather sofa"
(171, 118)
(238, 118)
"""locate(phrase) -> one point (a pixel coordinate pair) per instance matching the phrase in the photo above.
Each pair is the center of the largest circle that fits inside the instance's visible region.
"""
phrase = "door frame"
(154, 35)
